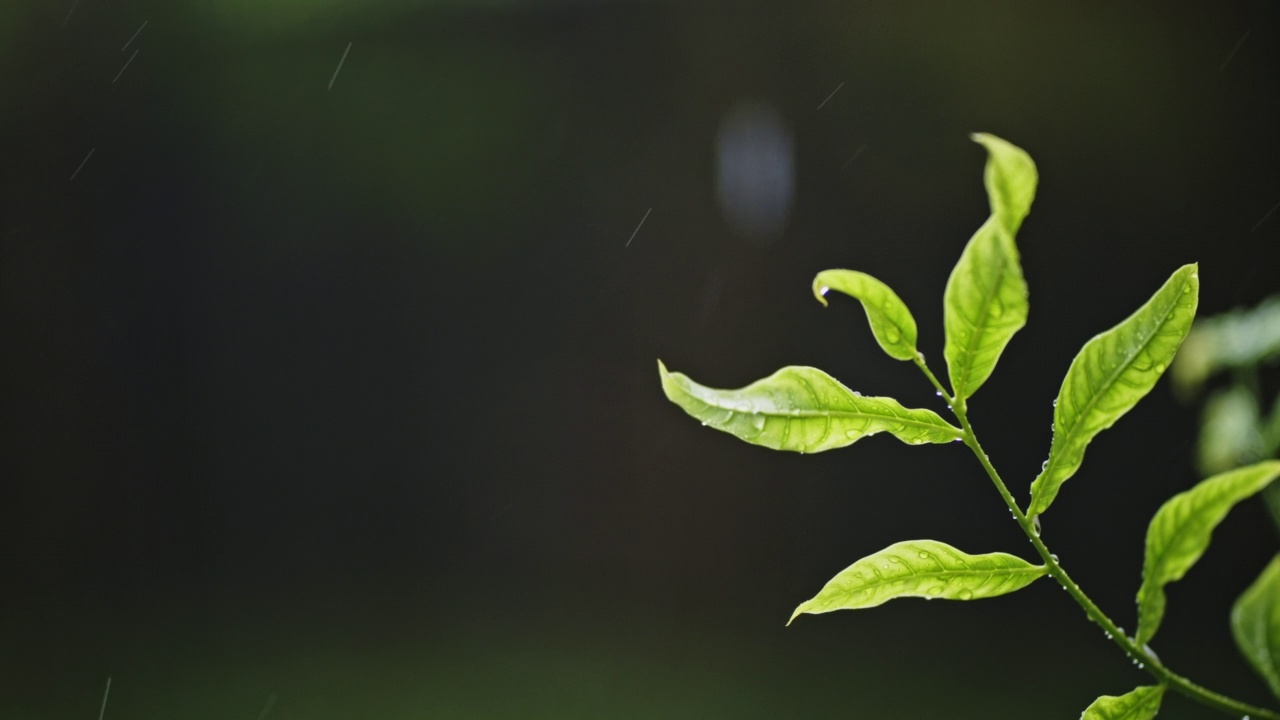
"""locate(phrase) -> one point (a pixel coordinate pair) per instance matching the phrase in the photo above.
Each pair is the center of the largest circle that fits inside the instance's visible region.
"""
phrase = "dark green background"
(348, 397)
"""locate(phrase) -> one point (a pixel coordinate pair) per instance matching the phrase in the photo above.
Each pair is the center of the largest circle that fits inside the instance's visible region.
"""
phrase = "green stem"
(1140, 654)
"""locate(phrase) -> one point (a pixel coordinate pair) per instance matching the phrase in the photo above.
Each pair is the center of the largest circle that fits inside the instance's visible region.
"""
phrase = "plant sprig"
(803, 409)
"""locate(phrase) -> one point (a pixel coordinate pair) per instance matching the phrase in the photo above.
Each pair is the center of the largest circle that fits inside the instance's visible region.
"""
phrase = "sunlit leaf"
(1181, 530)
(1255, 622)
(891, 321)
(1010, 178)
(985, 301)
(921, 568)
(803, 409)
(1112, 372)
(1230, 434)
(1141, 704)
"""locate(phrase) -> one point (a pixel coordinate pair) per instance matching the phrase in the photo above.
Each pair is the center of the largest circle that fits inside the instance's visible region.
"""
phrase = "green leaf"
(1111, 374)
(1181, 530)
(985, 301)
(1255, 622)
(921, 568)
(803, 409)
(1141, 704)
(891, 321)
(1010, 177)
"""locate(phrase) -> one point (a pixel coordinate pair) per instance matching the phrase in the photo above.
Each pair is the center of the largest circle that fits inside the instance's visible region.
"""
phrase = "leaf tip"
(820, 289)
(801, 609)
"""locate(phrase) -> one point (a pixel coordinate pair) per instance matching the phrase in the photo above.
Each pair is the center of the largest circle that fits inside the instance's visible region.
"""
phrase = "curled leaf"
(1010, 178)
(803, 409)
(891, 321)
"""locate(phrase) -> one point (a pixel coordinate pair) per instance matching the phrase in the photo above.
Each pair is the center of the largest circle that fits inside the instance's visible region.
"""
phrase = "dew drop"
(757, 421)
(965, 594)
(823, 290)
(894, 560)
(924, 555)
(1160, 367)
(1035, 525)
(852, 434)
(893, 336)
(1055, 559)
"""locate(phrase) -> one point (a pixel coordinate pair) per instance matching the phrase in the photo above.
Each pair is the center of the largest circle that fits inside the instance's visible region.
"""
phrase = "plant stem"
(1141, 655)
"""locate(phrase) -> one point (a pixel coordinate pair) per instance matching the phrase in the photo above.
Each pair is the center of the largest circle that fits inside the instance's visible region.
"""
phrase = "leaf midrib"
(980, 328)
(881, 580)
(827, 414)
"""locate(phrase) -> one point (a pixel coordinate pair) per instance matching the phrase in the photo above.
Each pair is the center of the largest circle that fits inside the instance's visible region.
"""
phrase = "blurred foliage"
(1233, 429)
(1241, 339)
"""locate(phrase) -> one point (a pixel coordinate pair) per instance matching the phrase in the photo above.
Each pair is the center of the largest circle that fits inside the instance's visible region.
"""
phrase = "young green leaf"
(891, 321)
(921, 568)
(803, 409)
(1111, 374)
(1181, 530)
(1141, 704)
(985, 301)
(1010, 177)
(1255, 622)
